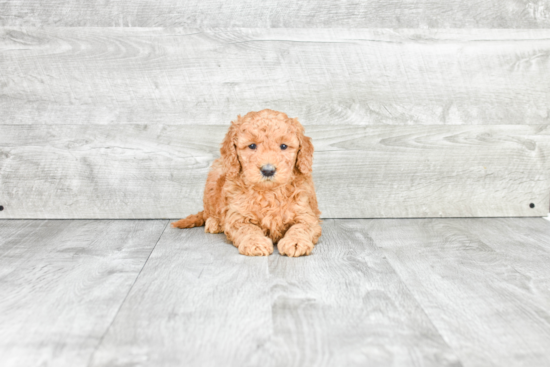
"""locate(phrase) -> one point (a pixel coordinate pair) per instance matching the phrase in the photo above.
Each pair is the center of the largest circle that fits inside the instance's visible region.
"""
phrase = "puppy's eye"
(252, 146)
(283, 146)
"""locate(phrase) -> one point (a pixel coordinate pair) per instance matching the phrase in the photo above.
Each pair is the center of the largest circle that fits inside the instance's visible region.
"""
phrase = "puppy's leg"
(300, 238)
(249, 239)
(212, 226)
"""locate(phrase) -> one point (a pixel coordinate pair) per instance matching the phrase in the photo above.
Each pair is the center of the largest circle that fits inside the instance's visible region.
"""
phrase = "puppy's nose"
(268, 170)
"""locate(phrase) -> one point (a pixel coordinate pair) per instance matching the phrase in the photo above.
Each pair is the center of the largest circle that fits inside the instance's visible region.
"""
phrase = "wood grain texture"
(527, 250)
(345, 306)
(62, 283)
(494, 314)
(441, 292)
(322, 76)
(159, 171)
(282, 13)
(197, 302)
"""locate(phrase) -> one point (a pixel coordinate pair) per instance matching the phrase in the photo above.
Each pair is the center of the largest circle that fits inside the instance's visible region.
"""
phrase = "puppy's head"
(266, 148)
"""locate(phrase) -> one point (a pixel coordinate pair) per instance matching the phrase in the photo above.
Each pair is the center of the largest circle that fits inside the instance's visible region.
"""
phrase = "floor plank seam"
(125, 297)
(414, 296)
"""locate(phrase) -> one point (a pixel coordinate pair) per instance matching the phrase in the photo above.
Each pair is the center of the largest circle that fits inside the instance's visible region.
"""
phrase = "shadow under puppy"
(260, 191)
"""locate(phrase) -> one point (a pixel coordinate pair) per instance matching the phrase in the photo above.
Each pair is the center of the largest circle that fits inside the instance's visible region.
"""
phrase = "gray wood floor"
(401, 292)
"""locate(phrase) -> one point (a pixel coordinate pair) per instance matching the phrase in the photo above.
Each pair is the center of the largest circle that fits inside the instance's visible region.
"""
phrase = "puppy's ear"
(304, 161)
(229, 152)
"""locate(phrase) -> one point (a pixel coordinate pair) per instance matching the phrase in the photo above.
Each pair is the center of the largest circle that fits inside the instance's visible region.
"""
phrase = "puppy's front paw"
(294, 246)
(256, 246)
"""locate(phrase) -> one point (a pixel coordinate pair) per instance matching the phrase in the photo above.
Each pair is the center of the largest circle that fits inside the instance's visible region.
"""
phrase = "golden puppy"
(260, 191)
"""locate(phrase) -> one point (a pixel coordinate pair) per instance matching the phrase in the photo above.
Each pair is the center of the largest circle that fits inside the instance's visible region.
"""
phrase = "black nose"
(268, 170)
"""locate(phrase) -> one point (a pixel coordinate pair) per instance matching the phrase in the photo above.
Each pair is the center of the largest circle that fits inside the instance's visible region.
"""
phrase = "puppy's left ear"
(228, 151)
(304, 160)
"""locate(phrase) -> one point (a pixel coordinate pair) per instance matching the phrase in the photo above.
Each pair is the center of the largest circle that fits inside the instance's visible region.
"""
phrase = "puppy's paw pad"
(294, 248)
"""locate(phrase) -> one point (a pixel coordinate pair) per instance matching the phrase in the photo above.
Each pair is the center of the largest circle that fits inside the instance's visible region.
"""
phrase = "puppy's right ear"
(228, 152)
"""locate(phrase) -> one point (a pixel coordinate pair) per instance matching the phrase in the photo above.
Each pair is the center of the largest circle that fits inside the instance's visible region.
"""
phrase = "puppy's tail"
(194, 220)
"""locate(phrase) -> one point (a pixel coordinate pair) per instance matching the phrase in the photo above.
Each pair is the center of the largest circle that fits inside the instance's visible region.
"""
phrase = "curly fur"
(255, 211)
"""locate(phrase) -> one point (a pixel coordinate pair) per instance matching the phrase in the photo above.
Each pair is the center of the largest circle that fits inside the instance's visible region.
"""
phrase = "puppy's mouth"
(268, 178)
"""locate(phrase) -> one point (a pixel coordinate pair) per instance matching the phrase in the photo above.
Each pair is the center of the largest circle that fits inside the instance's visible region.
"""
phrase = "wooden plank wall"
(158, 171)
(278, 14)
(322, 76)
(417, 109)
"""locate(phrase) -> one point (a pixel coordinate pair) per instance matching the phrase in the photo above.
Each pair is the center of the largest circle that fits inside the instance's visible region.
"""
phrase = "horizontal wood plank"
(281, 13)
(322, 76)
(63, 282)
(159, 171)
(495, 312)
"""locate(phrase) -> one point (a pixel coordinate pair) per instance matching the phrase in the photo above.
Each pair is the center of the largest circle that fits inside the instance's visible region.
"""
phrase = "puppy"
(260, 191)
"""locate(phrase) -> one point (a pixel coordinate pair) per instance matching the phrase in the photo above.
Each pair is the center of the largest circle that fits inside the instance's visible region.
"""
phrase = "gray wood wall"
(416, 108)
(278, 14)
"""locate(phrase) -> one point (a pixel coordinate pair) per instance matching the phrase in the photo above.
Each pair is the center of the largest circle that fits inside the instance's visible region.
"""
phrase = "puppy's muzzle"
(268, 170)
